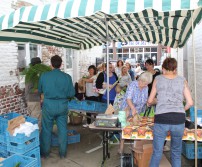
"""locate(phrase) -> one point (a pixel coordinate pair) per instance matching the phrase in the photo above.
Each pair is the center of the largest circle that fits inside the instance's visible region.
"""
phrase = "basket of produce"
(75, 118)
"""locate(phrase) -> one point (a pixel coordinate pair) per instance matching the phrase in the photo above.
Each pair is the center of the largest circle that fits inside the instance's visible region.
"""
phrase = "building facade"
(138, 50)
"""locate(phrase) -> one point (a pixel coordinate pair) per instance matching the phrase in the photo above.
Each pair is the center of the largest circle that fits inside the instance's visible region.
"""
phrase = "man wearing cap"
(57, 87)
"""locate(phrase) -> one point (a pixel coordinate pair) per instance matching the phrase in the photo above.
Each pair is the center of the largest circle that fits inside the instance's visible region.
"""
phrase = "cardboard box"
(142, 153)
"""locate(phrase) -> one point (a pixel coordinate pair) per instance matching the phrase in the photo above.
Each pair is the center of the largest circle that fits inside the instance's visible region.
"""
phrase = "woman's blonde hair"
(122, 69)
(146, 77)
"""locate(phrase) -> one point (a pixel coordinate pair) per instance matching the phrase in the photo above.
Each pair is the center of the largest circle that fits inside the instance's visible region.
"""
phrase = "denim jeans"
(160, 132)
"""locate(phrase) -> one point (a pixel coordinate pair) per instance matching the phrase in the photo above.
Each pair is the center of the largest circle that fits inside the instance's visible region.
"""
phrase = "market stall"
(92, 23)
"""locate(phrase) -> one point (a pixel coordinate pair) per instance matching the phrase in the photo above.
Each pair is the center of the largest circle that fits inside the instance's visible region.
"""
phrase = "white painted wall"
(178, 55)
(198, 52)
(8, 61)
(8, 53)
(82, 59)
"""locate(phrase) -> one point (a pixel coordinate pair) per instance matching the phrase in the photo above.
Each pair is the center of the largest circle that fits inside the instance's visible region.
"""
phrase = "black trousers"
(92, 98)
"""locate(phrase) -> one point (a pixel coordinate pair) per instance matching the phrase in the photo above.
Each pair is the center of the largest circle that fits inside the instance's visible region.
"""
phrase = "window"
(125, 56)
(125, 50)
(119, 50)
(110, 50)
(132, 56)
(140, 49)
(147, 56)
(146, 49)
(153, 49)
(33, 51)
(131, 50)
(154, 57)
(136, 50)
(21, 57)
(119, 56)
(110, 56)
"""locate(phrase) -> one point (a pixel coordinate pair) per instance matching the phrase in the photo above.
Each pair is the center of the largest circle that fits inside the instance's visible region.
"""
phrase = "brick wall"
(49, 51)
(11, 97)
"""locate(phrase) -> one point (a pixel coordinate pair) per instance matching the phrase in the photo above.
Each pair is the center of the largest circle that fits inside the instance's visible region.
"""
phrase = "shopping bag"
(149, 112)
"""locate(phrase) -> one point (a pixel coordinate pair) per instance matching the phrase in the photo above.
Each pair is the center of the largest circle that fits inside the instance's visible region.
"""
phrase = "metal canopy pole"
(195, 97)
(107, 48)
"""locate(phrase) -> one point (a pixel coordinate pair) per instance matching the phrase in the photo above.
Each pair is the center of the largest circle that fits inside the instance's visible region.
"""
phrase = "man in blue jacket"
(56, 87)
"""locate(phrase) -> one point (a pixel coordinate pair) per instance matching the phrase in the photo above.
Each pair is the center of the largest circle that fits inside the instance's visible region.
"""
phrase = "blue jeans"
(160, 132)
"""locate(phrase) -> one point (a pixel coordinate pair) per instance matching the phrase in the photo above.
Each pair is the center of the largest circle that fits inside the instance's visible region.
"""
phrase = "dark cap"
(35, 60)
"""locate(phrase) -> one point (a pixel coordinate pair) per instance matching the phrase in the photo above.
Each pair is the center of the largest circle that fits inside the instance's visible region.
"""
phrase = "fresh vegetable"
(18, 164)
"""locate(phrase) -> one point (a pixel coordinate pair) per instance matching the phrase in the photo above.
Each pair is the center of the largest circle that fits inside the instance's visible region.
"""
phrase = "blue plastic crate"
(3, 138)
(188, 150)
(31, 119)
(74, 105)
(100, 107)
(88, 105)
(74, 138)
(21, 144)
(35, 153)
(192, 114)
(23, 160)
(3, 150)
(6, 117)
(4, 120)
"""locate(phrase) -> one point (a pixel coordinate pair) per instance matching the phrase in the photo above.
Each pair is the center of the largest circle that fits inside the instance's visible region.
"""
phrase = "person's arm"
(132, 107)
(40, 87)
(129, 96)
(187, 95)
(71, 91)
(152, 99)
(100, 80)
(89, 80)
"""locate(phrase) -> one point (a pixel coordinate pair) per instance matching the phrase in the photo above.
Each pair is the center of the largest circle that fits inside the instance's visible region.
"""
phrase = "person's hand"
(110, 86)
(134, 112)
(148, 104)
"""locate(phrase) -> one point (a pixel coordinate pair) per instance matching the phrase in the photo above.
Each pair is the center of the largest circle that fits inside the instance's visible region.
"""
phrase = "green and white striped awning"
(81, 24)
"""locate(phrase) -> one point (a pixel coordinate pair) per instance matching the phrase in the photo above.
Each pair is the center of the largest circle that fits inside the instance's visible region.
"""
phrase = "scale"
(103, 120)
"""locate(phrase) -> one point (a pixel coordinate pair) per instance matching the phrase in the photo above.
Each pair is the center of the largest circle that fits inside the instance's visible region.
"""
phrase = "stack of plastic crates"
(87, 106)
(19, 160)
(72, 137)
(19, 144)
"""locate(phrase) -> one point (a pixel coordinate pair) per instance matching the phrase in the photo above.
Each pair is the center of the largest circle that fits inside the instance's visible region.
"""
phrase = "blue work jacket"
(57, 87)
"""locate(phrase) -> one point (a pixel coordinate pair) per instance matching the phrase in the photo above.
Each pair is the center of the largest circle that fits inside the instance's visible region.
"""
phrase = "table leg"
(106, 153)
(107, 148)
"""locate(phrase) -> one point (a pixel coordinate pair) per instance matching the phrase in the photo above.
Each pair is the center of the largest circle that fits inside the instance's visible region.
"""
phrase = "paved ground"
(77, 156)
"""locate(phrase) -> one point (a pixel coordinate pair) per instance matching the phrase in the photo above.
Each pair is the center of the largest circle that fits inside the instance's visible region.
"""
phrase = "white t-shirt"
(89, 87)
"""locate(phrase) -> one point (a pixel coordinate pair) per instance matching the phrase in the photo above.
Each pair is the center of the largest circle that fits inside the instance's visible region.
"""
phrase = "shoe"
(44, 156)
(86, 125)
(166, 148)
(62, 157)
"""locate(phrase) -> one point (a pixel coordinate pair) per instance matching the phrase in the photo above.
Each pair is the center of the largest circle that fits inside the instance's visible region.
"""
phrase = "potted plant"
(33, 73)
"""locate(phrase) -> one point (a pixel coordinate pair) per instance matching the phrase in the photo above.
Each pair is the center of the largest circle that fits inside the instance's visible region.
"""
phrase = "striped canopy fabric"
(81, 24)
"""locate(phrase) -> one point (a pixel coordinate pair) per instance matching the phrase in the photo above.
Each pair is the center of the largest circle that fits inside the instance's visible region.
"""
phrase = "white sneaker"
(86, 125)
